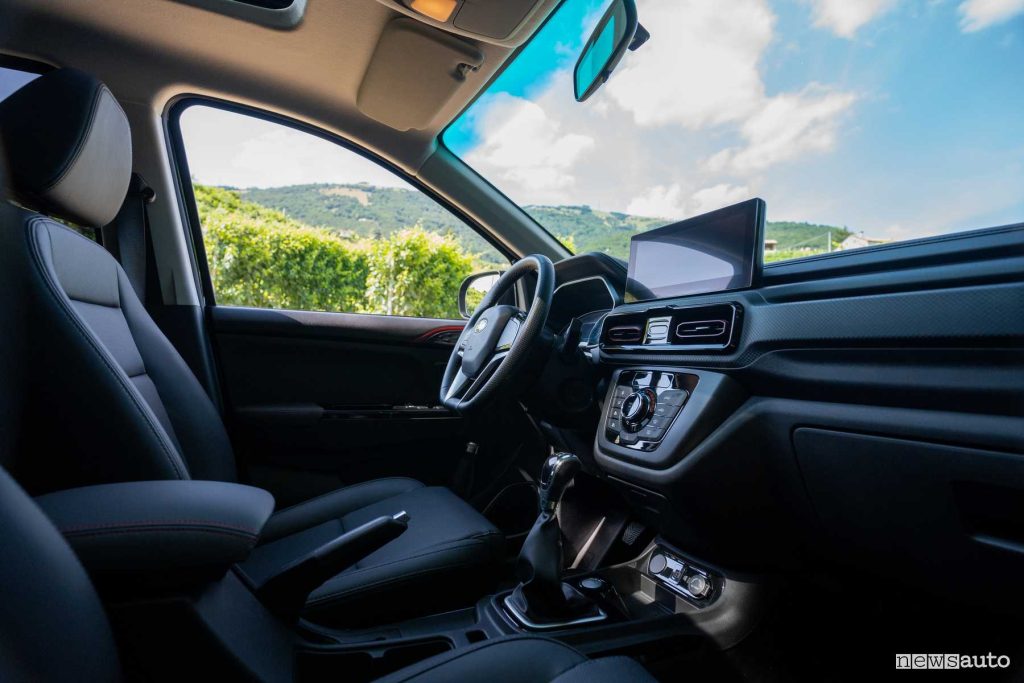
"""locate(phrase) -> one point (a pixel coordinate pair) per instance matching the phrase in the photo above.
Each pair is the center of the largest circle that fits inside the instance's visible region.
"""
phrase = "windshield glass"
(857, 122)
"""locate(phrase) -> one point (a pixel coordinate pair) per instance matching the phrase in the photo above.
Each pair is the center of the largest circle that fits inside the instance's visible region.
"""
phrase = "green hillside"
(361, 211)
(259, 256)
(365, 210)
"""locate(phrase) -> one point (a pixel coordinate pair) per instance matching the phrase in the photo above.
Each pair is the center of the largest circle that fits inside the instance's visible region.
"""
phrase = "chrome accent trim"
(725, 325)
(676, 348)
(523, 620)
(665, 320)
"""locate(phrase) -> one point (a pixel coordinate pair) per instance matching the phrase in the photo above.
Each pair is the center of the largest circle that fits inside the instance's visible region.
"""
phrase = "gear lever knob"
(555, 476)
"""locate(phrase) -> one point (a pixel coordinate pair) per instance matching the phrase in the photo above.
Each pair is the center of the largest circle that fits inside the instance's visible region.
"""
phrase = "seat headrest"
(68, 146)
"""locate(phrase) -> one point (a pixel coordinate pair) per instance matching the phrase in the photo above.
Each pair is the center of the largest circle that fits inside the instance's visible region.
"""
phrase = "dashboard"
(588, 287)
(742, 423)
(862, 408)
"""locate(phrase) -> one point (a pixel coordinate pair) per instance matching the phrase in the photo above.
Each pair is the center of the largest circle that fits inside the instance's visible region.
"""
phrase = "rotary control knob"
(637, 408)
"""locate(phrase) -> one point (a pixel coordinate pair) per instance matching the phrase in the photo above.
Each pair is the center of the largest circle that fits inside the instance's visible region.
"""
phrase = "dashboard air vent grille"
(624, 334)
(674, 328)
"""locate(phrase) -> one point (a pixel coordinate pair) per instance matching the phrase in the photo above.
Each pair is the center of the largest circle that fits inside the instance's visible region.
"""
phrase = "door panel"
(350, 397)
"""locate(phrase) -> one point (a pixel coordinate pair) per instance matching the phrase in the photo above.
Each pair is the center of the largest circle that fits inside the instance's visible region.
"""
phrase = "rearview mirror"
(473, 290)
(613, 35)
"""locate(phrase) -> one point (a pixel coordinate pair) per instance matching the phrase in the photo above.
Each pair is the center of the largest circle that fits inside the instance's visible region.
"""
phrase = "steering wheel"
(496, 342)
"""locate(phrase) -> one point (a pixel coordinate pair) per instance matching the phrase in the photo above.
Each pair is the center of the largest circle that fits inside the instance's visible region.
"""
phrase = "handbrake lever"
(285, 593)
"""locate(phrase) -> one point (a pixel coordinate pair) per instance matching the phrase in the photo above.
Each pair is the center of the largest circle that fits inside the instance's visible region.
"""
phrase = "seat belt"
(127, 239)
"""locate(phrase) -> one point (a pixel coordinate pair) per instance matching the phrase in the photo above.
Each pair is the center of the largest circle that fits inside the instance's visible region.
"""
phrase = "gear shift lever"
(542, 600)
(557, 473)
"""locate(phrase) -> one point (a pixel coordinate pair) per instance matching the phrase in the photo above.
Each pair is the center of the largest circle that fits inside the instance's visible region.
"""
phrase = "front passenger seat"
(113, 401)
(53, 626)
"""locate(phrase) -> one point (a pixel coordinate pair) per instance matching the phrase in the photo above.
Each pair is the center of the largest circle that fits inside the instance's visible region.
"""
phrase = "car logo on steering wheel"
(480, 325)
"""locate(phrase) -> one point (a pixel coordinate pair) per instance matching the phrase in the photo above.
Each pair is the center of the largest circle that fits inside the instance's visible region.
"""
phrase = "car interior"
(571, 466)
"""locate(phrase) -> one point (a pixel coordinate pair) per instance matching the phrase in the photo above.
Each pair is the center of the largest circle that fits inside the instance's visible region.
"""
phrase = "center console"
(653, 416)
(643, 404)
(659, 595)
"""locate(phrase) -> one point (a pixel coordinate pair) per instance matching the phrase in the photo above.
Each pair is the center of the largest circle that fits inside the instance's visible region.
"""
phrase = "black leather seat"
(53, 626)
(111, 398)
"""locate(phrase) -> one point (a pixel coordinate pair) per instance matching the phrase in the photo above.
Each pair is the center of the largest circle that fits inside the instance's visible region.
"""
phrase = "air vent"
(712, 327)
(704, 326)
(624, 334)
(701, 328)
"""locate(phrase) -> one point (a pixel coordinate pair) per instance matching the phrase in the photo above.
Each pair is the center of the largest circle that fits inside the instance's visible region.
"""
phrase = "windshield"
(858, 122)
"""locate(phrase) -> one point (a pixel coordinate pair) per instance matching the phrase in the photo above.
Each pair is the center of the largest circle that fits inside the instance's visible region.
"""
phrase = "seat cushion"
(523, 659)
(443, 559)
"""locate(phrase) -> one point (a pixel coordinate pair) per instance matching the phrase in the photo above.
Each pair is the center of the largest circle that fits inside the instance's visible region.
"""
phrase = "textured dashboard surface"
(991, 314)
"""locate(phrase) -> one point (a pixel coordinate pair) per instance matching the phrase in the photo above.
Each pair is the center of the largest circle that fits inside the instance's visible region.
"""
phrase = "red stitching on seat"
(158, 523)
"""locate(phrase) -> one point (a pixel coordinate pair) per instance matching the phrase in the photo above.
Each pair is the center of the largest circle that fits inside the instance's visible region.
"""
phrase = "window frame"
(24, 64)
(189, 210)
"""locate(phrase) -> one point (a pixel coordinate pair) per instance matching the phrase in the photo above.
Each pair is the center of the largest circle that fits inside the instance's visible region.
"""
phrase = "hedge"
(260, 257)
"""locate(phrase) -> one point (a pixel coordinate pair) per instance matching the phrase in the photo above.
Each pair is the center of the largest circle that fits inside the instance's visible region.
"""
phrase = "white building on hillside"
(860, 240)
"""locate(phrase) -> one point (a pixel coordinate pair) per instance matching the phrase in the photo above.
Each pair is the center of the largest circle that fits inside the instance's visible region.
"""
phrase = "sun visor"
(414, 72)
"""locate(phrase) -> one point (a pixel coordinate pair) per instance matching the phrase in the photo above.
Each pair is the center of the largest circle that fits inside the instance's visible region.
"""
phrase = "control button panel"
(641, 406)
(681, 576)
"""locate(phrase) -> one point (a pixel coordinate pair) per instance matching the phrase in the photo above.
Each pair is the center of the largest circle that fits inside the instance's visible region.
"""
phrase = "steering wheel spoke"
(510, 333)
(494, 342)
(458, 387)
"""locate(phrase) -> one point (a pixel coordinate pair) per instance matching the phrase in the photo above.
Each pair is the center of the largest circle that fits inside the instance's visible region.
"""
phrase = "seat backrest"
(109, 398)
(52, 624)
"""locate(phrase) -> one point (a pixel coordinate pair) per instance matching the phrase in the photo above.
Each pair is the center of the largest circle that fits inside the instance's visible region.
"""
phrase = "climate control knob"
(637, 408)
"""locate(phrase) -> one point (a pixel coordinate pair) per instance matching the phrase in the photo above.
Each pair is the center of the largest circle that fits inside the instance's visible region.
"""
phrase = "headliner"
(151, 51)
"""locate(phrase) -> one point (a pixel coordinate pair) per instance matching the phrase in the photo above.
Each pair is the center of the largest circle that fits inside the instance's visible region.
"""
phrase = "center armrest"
(160, 528)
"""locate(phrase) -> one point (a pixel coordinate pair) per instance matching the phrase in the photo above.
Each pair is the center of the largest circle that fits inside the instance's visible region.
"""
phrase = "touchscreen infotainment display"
(715, 252)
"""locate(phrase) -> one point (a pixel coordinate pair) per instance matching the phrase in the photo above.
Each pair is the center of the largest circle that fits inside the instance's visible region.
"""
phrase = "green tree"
(415, 272)
(260, 257)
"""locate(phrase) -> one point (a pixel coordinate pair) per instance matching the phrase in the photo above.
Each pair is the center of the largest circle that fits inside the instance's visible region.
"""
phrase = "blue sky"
(900, 119)
(11, 80)
(896, 118)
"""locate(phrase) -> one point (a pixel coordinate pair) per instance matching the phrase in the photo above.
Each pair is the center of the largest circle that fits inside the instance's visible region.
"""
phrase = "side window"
(293, 221)
(12, 80)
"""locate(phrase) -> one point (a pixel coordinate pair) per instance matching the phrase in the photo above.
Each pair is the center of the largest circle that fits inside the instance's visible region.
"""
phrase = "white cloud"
(717, 196)
(527, 148)
(976, 15)
(671, 201)
(659, 201)
(700, 66)
(786, 126)
(225, 148)
(642, 147)
(845, 17)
